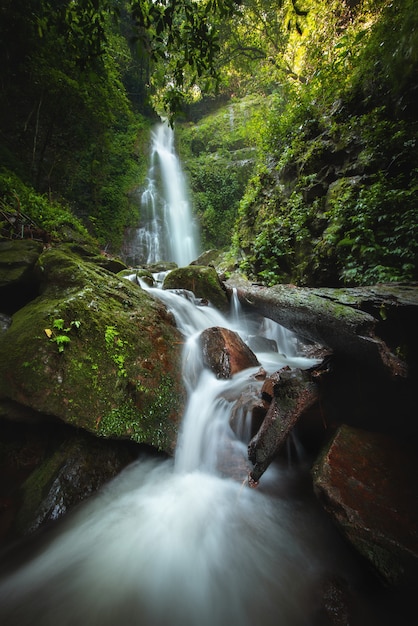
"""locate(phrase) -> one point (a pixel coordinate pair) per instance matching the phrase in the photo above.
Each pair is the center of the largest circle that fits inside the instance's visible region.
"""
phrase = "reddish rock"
(225, 353)
(367, 483)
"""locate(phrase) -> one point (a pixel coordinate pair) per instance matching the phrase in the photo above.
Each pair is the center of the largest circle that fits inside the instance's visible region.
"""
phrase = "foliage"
(59, 333)
(373, 233)
(335, 194)
(257, 46)
(23, 206)
(182, 40)
(68, 124)
(218, 155)
(336, 89)
(386, 72)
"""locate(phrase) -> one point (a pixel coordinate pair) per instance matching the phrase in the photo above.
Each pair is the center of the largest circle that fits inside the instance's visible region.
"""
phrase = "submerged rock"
(367, 483)
(96, 352)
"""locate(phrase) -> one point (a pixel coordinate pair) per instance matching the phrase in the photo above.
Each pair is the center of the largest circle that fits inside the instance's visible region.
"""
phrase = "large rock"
(370, 324)
(368, 485)
(225, 353)
(202, 281)
(96, 352)
(69, 474)
(17, 262)
(47, 469)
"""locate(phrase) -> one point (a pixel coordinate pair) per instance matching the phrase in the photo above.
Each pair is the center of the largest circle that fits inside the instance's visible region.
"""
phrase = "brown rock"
(225, 353)
(367, 483)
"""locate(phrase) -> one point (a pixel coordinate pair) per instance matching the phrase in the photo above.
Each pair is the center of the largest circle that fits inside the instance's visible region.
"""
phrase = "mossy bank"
(94, 351)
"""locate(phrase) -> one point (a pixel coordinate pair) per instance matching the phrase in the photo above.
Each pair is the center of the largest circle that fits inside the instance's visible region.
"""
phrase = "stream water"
(185, 541)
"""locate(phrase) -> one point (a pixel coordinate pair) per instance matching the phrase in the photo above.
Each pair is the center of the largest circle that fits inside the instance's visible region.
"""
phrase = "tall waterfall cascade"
(167, 231)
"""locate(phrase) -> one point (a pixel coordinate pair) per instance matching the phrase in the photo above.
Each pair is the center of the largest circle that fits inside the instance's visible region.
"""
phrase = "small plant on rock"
(59, 332)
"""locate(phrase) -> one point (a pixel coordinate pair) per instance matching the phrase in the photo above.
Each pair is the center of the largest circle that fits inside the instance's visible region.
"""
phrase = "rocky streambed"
(90, 373)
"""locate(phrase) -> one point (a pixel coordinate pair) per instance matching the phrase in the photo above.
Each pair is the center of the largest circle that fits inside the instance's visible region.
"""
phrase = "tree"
(181, 38)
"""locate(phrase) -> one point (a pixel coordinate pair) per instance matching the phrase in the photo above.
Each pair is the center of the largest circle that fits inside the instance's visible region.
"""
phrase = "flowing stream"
(167, 231)
(185, 541)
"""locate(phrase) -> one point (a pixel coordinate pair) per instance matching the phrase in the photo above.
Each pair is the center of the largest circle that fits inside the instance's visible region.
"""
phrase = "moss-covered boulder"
(91, 252)
(138, 274)
(202, 281)
(96, 352)
(17, 259)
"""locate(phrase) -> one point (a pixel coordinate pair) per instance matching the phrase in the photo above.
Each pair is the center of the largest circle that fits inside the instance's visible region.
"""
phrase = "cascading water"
(167, 231)
(182, 542)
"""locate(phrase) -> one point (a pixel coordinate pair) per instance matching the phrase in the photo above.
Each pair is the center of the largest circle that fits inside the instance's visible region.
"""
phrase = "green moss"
(202, 281)
(148, 424)
(36, 488)
(124, 351)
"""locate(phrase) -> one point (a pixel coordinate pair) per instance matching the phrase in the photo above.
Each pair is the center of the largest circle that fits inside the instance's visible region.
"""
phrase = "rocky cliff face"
(333, 203)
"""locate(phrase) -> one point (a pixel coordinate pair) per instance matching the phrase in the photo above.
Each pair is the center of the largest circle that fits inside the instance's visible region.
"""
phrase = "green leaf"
(58, 324)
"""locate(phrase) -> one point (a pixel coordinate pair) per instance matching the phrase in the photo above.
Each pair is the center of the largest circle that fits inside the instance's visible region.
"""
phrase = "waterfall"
(185, 542)
(167, 231)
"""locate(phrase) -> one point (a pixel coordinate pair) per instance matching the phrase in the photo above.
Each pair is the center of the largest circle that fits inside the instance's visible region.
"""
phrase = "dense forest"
(296, 121)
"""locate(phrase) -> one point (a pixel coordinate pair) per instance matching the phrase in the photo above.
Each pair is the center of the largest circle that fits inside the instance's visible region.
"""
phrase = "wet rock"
(96, 352)
(17, 260)
(202, 281)
(137, 275)
(48, 468)
(367, 483)
(374, 325)
(225, 353)
(267, 390)
(160, 267)
(257, 343)
(111, 264)
(247, 414)
(18, 284)
(67, 475)
(294, 393)
(337, 604)
(209, 257)
(5, 321)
